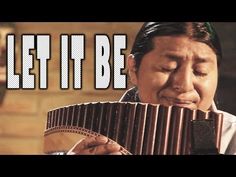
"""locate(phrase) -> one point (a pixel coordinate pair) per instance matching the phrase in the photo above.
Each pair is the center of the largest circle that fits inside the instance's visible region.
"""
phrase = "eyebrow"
(176, 57)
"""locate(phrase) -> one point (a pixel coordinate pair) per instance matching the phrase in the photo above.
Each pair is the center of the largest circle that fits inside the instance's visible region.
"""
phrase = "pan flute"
(139, 128)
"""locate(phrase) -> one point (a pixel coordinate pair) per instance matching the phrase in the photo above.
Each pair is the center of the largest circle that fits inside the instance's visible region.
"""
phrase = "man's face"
(178, 71)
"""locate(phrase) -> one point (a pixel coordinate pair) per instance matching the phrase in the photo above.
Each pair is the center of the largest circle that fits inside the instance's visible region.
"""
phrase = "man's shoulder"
(130, 95)
(228, 143)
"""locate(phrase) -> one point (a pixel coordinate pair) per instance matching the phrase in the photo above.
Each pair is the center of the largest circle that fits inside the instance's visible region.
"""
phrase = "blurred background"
(23, 112)
(227, 80)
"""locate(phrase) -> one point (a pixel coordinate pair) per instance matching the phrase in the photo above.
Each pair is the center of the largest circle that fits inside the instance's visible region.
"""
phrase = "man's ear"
(132, 69)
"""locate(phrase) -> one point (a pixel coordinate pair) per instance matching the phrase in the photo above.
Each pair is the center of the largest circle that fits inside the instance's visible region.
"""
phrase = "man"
(172, 64)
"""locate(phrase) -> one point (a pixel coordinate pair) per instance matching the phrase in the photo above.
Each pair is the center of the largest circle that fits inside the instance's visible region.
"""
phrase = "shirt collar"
(213, 107)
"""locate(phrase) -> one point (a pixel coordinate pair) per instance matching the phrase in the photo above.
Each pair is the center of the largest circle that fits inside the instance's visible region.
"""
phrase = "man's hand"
(95, 146)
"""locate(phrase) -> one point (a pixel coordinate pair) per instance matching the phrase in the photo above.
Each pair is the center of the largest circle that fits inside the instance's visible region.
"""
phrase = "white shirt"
(228, 138)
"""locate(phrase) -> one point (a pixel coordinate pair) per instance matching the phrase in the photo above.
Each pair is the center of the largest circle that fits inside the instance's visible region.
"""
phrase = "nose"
(182, 80)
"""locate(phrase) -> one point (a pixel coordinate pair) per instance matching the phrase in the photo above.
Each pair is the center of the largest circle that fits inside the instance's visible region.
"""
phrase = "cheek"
(149, 85)
(206, 92)
(152, 80)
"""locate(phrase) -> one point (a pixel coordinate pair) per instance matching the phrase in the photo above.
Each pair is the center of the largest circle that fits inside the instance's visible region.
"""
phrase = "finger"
(96, 141)
(89, 142)
(104, 149)
(116, 153)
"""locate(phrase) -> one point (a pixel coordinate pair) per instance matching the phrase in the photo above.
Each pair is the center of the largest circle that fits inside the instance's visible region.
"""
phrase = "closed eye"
(167, 70)
(200, 73)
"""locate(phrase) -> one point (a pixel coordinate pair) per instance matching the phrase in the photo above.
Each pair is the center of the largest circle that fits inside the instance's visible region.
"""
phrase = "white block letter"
(64, 62)
(119, 62)
(77, 54)
(102, 62)
(12, 79)
(43, 54)
(27, 63)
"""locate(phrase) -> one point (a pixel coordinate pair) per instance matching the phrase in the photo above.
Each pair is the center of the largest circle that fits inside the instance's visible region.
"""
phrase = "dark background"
(227, 81)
